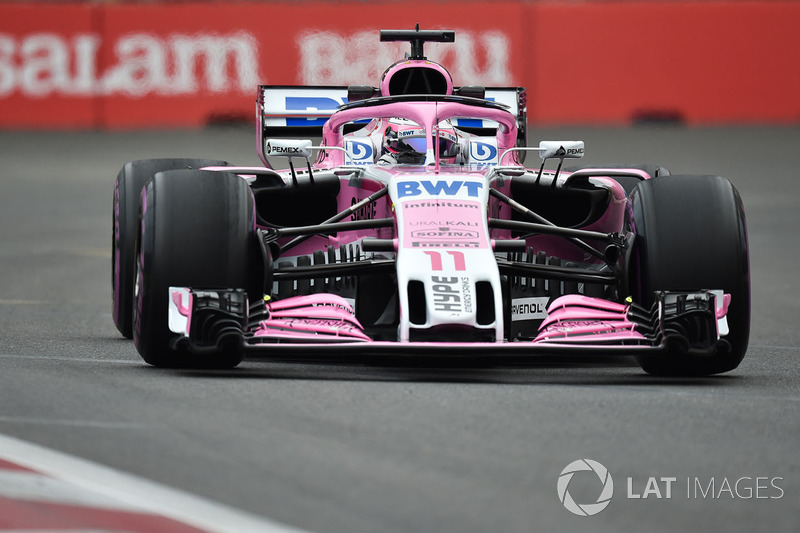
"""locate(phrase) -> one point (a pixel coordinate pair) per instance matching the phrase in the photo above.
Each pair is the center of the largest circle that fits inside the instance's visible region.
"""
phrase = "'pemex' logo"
(585, 509)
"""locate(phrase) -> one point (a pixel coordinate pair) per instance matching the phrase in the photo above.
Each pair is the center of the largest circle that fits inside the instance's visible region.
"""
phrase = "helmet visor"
(415, 144)
(447, 148)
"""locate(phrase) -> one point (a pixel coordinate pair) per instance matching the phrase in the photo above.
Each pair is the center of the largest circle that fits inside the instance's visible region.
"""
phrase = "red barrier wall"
(147, 65)
(710, 62)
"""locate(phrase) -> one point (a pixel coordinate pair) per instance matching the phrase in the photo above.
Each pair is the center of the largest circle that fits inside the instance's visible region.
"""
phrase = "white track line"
(133, 491)
(46, 489)
(99, 424)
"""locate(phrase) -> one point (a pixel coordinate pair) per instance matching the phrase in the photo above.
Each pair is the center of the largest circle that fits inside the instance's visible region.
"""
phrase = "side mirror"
(288, 148)
(472, 91)
(361, 92)
(561, 149)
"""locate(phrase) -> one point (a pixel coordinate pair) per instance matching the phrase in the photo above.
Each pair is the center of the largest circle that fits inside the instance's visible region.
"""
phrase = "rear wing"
(300, 111)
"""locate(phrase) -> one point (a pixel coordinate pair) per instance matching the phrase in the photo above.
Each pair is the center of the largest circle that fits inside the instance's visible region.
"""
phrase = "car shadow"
(572, 370)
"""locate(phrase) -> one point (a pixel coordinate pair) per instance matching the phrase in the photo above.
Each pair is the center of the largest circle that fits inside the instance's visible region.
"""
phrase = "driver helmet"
(405, 140)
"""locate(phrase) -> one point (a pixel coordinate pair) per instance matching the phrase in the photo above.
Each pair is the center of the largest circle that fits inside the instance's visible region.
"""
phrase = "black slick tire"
(691, 234)
(197, 231)
(130, 181)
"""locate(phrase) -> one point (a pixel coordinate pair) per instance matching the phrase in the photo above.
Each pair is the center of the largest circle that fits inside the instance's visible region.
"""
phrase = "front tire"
(197, 231)
(132, 178)
(691, 235)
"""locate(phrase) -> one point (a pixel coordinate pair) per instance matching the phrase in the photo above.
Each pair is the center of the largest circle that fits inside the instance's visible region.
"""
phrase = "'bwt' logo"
(438, 188)
(586, 509)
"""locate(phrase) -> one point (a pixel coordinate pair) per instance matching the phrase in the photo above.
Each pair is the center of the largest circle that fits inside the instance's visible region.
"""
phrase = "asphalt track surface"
(349, 448)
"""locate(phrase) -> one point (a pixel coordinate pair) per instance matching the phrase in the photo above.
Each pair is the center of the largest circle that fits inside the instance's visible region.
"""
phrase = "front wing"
(324, 326)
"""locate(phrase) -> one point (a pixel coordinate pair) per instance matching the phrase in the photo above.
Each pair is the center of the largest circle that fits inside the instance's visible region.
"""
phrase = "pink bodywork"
(580, 319)
(318, 317)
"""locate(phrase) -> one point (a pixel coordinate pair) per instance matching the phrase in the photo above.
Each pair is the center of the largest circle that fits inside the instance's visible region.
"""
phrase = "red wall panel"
(711, 62)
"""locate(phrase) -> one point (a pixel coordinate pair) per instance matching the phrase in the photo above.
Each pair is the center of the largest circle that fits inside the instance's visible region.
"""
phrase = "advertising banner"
(122, 66)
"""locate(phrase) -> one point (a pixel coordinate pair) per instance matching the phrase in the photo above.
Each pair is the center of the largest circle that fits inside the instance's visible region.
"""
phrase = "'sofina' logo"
(585, 509)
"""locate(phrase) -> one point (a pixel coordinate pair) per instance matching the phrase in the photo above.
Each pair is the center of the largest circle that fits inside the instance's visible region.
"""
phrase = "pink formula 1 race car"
(414, 229)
